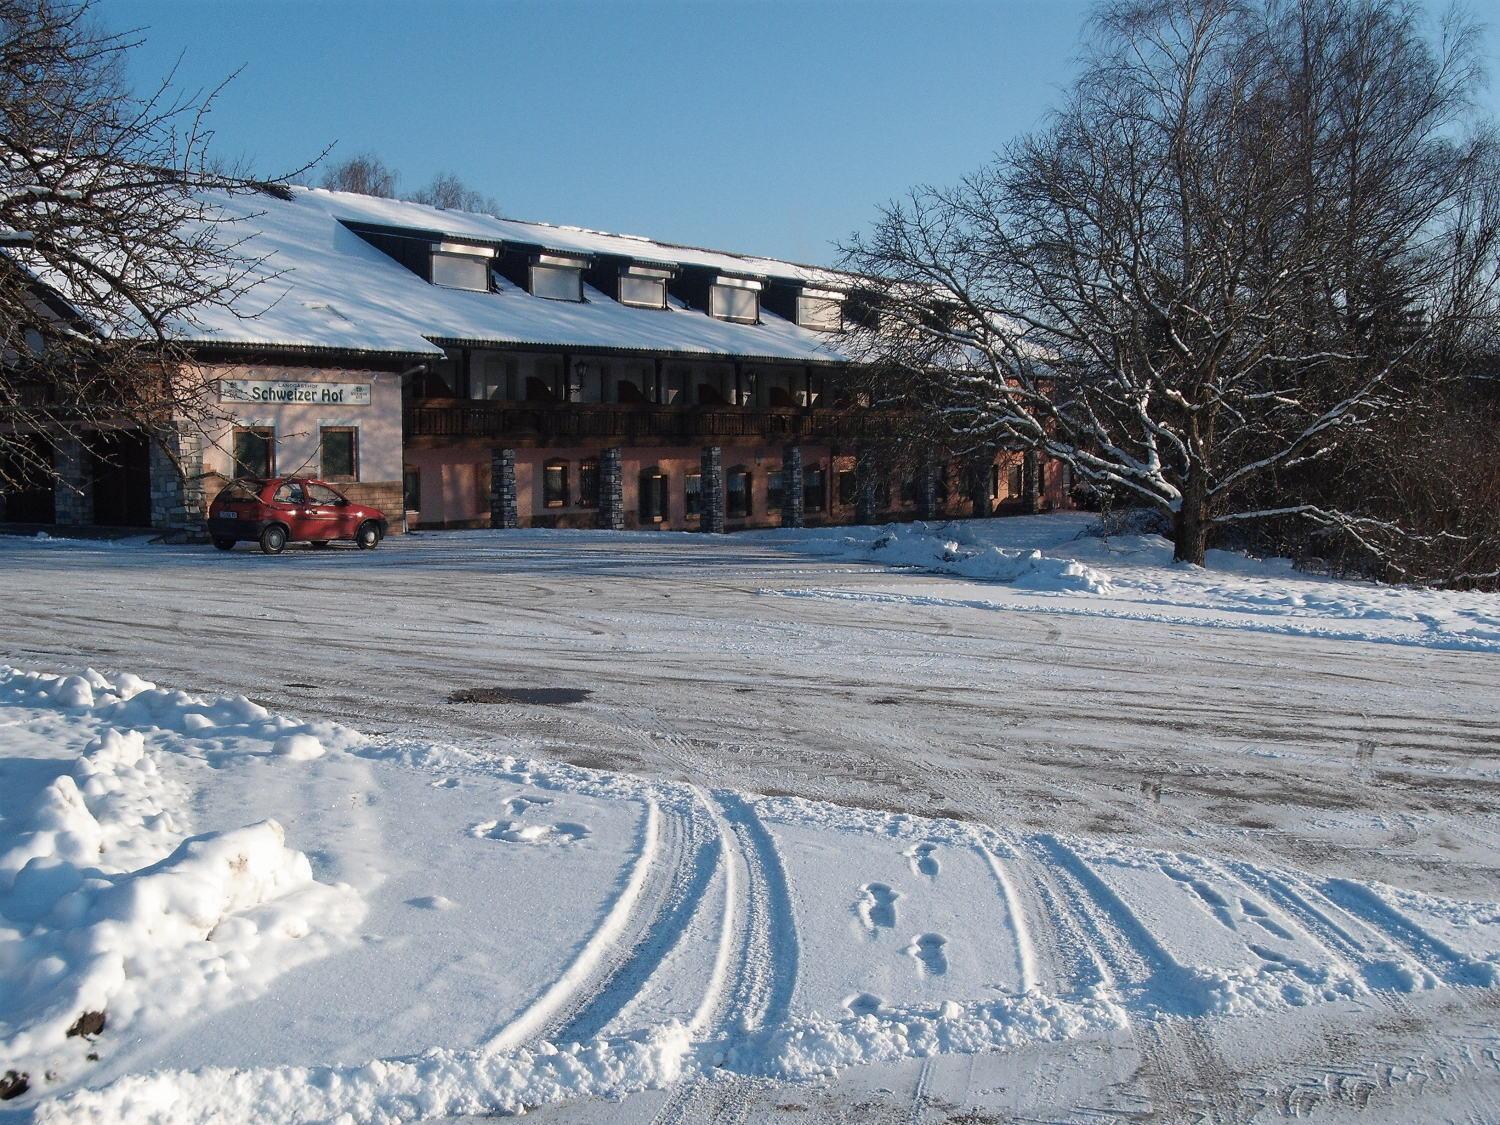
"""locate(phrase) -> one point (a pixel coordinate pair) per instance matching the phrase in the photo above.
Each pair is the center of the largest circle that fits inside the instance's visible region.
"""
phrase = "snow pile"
(106, 908)
(818, 1045)
(944, 551)
(436, 1084)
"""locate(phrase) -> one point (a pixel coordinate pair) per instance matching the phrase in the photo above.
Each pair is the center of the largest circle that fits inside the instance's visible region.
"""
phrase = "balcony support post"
(711, 498)
(611, 490)
(791, 487)
(503, 508)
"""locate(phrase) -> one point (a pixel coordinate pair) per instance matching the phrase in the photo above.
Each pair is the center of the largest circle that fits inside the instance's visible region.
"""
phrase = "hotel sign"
(284, 393)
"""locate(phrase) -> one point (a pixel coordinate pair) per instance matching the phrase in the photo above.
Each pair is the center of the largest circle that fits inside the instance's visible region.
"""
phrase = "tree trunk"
(1190, 526)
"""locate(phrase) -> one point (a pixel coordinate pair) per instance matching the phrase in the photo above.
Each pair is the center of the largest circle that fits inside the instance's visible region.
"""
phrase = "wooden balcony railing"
(629, 424)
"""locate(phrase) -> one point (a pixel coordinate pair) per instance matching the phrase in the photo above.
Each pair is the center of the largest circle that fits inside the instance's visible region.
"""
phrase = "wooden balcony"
(434, 421)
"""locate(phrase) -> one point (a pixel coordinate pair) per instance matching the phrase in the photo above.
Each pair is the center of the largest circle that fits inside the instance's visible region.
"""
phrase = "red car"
(282, 510)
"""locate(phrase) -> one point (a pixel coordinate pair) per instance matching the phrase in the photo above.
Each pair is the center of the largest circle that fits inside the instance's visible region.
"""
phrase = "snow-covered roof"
(328, 288)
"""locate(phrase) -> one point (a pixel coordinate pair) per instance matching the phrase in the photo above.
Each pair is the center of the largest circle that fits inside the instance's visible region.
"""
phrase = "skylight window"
(461, 271)
(644, 286)
(822, 312)
(733, 298)
(556, 278)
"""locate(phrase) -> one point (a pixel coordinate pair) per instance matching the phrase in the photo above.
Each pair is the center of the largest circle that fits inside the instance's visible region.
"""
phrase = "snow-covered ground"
(1110, 838)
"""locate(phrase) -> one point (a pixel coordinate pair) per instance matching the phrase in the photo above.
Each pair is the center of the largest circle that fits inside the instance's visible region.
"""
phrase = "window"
(737, 505)
(411, 490)
(1017, 481)
(643, 292)
(820, 313)
(994, 482)
(495, 378)
(846, 486)
(730, 302)
(776, 490)
(557, 283)
(322, 494)
(692, 494)
(290, 493)
(588, 484)
(653, 498)
(253, 449)
(339, 451)
(814, 488)
(555, 484)
(461, 271)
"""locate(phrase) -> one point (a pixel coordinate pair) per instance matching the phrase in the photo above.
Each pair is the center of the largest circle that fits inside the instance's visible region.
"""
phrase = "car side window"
(290, 493)
(322, 494)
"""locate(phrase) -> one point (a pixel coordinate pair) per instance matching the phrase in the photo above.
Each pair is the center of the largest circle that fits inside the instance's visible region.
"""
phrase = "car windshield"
(322, 494)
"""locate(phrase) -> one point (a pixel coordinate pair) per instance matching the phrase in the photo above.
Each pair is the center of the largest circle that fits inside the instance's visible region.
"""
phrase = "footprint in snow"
(863, 1004)
(520, 803)
(431, 902)
(446, 783)
(928, 950)
(514, 832)
(923, 862)
(877, 906)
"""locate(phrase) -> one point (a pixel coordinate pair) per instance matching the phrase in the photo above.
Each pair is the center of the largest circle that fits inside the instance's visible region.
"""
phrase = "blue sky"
(772, 127)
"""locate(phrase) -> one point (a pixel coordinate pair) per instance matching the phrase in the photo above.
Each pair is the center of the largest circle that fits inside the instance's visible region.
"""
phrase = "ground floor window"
(254, 454)
(776, 490)
(814, 488)
(555, 484)
(588, 483)
(1017, 483)
(411, 490)
(847, 486)
(737, 502)
(692, 494)
(339, 452)
(653, 499)
(994, 482)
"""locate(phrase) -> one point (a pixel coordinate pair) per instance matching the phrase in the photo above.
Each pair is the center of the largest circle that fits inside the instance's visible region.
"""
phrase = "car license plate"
(229, 515)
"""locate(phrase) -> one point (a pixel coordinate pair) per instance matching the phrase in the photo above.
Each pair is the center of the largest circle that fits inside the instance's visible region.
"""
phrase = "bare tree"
(110, 238)
(450, 193)
(364, 174)
(1250, 229)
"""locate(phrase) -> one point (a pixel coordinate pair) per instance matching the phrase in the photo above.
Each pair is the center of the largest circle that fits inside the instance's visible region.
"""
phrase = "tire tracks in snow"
(594, 964)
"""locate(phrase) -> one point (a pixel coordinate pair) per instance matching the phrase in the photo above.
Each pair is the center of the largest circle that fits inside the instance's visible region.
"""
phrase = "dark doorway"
(120, 468)
(28, 495)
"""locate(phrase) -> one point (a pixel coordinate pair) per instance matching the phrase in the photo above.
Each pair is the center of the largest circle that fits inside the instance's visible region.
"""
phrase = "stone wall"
(792, 499)
(73, 495)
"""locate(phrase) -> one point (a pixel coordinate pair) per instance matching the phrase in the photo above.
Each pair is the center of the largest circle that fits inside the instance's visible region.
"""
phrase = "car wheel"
(223, 544)
(319, 542)
(368, 535)
(273, 539)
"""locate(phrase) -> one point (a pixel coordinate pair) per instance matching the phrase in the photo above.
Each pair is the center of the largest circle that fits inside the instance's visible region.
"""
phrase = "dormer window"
(735, 298)
(821, 310)
(557, 278)
(461, 271)
(644, 287)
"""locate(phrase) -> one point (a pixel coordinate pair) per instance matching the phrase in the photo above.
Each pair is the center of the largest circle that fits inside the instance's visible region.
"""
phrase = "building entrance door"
(120, 469)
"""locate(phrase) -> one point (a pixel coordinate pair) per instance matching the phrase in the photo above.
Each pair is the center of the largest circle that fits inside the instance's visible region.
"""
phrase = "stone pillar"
(791, 486)
(865, 472)
(611, 491)
(177, 480)
(503, 489)
(1031, 481)
(927, 505)
(711, 498)
(73, 494)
